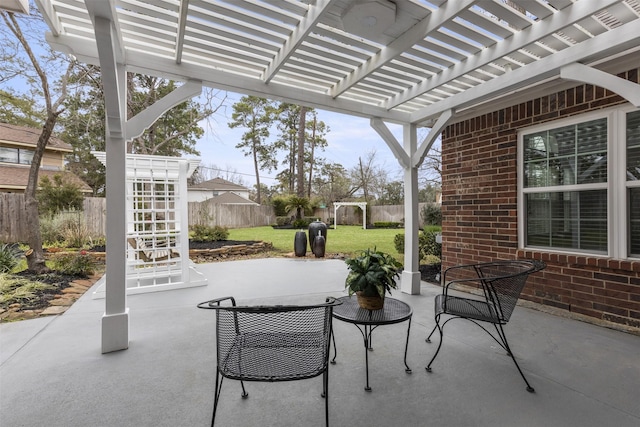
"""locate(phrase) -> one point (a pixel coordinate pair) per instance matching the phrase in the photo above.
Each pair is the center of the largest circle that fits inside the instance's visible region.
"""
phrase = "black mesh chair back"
(500, 282)
(271, 343)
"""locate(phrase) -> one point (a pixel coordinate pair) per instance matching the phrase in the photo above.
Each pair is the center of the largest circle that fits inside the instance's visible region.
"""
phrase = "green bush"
(74, 264)
(431, 260)
(51, 230)
(427, 244)
(279, 204)
(303, 222)
(432, 214)
(59, 195)
(9, 257)
(282, 221)
(205, 233)
(386, 224)
(19, 290)
(398, 242)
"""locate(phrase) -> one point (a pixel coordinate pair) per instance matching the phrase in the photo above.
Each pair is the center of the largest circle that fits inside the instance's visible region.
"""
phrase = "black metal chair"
(501, 283)
(271, 343)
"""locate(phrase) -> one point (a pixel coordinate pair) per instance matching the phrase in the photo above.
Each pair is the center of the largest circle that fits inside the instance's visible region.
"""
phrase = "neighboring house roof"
(231, 199)
(16, 178)
(218, 184)
(22, 135)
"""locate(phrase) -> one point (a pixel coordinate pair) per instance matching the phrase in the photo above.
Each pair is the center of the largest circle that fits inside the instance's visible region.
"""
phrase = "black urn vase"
(314, 228)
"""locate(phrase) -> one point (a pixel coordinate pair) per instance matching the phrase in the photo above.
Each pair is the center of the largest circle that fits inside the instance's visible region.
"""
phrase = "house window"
(571, 180)
(633, 181)
(16, 155)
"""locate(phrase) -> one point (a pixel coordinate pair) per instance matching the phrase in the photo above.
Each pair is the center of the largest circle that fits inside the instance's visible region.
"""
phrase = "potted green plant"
(371, 275)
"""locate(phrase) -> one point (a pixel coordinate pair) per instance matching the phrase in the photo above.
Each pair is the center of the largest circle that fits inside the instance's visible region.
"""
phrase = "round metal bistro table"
(394, 311)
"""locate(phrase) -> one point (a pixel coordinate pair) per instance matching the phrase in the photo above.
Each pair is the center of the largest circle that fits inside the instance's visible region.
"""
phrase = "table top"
(394, 311)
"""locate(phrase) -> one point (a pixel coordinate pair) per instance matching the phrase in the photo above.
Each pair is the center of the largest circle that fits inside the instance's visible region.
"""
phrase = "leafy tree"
(35, 70)
(288, 124)
(256, 116)
(59, 195)
(20, 110)
(392, 193)
(173, 134)
(332, 183)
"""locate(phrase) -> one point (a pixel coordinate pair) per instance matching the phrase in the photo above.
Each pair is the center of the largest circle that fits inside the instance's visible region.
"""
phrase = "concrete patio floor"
(53, 374)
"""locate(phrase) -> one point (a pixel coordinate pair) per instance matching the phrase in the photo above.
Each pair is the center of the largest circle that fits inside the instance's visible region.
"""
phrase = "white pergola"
(413, 62)
(361, 205)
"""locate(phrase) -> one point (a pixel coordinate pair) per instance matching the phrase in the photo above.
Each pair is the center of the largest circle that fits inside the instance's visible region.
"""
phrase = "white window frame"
(616, 185)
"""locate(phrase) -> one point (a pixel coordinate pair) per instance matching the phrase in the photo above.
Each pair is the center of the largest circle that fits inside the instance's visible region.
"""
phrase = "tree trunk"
(300, 162)
(35, 259)
(313, 145)
(257, 171)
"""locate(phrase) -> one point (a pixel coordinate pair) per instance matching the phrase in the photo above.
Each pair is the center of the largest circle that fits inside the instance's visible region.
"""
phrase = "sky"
(348, 139)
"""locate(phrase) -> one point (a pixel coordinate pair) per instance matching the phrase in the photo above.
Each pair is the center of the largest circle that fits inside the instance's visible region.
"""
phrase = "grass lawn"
(347, 239)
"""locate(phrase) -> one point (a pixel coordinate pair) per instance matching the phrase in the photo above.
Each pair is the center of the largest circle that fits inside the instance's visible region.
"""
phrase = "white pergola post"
(410, 283)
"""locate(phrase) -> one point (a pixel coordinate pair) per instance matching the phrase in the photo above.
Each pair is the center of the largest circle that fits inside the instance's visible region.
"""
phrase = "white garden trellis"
(157, 235)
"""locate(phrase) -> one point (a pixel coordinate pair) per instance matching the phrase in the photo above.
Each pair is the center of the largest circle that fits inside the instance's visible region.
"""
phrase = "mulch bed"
(42, 297)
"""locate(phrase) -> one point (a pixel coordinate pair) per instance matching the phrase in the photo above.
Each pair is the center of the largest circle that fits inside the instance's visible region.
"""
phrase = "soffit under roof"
(348, 56)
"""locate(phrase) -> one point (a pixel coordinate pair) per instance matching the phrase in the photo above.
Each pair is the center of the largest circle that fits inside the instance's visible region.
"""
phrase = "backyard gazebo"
(413, 63)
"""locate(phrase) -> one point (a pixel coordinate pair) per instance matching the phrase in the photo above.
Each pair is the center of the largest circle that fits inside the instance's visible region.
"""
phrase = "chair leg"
(216, 395)
(244, 392)
(325, 386)
(439, 328)
(503, 337)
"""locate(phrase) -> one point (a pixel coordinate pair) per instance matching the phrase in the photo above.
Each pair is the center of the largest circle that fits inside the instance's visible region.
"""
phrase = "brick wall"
(479, 208)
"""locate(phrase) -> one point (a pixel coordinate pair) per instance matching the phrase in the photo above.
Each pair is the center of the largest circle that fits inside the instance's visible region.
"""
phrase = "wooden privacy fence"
(230, 216)
(13, 216)
(13, 224)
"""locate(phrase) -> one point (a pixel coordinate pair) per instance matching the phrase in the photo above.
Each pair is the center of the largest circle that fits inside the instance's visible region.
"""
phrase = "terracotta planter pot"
(370, 303)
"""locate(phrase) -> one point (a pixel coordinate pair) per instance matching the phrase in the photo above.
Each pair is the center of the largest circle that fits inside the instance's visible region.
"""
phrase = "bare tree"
(53, 98)
(368, 177)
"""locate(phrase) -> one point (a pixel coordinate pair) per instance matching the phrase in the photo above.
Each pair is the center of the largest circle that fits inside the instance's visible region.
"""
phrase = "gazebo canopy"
(404, 61)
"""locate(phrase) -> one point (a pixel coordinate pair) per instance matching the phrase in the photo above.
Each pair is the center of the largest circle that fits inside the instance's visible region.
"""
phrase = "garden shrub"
(9, 257)
(283, 221)
(19, 290)
(51, 230)
(386, 224)
(74, 264)
(205, 233)
(432, 214)
(431, 260)
(398, 242)
(427, 244)
(279, 204)
(58, 196)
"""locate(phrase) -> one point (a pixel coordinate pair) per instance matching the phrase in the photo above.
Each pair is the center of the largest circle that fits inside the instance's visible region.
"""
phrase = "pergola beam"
(182, 25)
(559, 20)
(612, 42)
(307, 23)
(418, 32)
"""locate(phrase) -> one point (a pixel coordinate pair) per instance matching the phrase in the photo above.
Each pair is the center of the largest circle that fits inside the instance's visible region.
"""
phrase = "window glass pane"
(26, 156)
(592, 136)
(9, 155)
(575, 154)
(571, 220)
(592, 168)
(535, 174)
(633, 146)
(634, 222)
(535, 146)
(563, 141)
